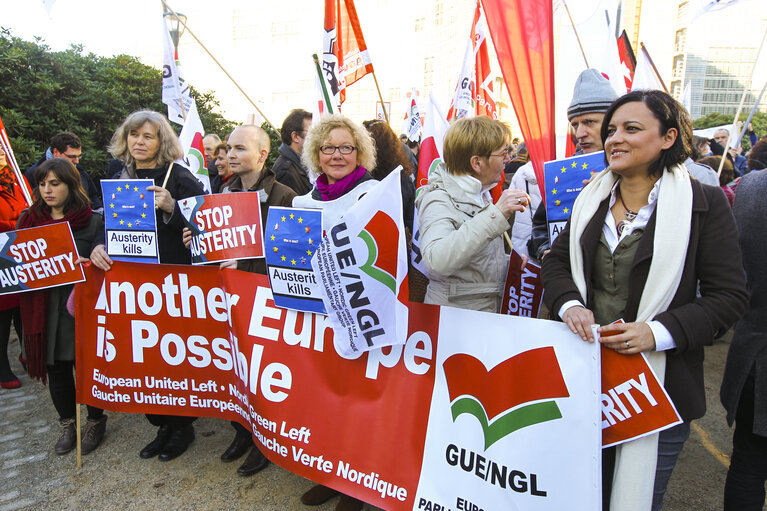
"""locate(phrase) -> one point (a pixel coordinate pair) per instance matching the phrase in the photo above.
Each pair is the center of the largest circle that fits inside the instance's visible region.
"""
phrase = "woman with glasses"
(340, 151)
(461, 230)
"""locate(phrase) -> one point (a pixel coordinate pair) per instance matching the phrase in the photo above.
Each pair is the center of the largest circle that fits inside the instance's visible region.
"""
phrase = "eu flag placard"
(564, 181)
(129, 220)
(290, 240)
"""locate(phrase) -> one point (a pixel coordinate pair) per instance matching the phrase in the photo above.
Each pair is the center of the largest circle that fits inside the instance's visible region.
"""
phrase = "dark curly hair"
(670, 114)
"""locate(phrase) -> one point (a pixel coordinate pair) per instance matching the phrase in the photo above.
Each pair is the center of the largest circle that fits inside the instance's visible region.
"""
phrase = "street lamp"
(176, 27)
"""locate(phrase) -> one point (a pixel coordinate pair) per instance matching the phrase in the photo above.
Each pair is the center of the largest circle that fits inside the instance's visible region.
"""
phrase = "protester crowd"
(660, 194)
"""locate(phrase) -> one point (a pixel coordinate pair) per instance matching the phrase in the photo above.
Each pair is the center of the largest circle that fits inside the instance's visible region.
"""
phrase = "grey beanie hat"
(592, 93)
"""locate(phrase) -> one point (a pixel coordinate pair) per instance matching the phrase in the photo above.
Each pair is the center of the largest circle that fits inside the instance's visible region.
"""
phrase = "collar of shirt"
(640, 222)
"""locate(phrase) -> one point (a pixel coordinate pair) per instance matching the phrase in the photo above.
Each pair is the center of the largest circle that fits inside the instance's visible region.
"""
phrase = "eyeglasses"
(72, 157)
(503, 154)
(343, 149)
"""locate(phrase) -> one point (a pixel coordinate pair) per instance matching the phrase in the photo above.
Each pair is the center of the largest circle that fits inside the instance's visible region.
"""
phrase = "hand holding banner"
(38, 258)
(224, 226)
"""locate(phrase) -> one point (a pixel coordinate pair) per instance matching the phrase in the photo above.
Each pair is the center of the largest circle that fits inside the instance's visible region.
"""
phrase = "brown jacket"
(713, 258)
(277, 194)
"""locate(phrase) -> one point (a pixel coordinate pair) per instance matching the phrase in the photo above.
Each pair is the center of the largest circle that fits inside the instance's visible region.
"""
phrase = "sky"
(104, 27)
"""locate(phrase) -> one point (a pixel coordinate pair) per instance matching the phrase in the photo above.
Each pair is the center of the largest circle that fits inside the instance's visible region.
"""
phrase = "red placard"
(523, 291)
(634, 403)
(224, 226)
(38, 258)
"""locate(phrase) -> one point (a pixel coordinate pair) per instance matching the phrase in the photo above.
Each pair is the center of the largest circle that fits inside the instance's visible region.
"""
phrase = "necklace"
(630, 215)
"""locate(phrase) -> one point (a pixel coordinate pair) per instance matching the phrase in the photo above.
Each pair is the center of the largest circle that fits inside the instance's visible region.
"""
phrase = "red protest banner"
(384, 426)
(163, 346)
(224, 226)
(634, 403)
(38, 258)
(523, 291)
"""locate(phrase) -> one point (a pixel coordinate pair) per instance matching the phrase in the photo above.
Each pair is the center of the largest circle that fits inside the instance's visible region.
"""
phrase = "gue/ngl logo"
(381, 263)
(499, 398)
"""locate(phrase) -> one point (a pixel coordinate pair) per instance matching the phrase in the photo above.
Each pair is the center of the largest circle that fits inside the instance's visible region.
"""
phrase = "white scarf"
(635, 461)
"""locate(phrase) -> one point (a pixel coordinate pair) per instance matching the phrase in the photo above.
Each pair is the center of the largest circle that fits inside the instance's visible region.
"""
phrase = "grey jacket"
(461, 242)
(748, 349)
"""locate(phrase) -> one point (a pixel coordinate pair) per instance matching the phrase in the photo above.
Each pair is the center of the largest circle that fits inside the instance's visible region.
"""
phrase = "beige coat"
(461, 238)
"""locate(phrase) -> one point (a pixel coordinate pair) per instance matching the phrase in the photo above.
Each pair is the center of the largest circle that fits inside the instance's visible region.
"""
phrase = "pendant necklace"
(630, 215)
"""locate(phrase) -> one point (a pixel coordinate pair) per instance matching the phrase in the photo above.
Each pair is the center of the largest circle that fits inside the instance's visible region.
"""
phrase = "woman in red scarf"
(49, 329)
(12, 203)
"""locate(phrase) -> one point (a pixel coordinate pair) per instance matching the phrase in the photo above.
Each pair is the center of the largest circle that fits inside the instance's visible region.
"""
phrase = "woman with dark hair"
(148, 146)
(390, 153)
(603, 268)
(12, 203)
(726, 177)
(49, 329)
(757, 156)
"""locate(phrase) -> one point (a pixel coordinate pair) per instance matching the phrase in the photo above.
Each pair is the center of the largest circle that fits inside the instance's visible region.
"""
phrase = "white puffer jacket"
(461, 242)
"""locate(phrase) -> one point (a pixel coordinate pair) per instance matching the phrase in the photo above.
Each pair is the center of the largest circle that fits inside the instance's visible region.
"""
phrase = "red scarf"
(34, 304)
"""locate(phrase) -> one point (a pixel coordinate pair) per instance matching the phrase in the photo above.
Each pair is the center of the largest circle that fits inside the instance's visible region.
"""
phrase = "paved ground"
(115, 478)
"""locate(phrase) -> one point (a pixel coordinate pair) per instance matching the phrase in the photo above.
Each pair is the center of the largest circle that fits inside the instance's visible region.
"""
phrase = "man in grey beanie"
(592, 96)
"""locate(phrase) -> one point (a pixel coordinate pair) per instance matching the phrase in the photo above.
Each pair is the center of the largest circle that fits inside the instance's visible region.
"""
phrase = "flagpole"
(322, 83)
(655, 69)
(576, 34)
(740, 106)
(219, 65)
(751, 115)
(5, 142)
(386, 116)
(167, 174)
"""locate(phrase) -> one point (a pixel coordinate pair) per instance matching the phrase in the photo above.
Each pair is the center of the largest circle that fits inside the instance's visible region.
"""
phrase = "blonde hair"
(320, 132)
(169, 149)
(474, 136)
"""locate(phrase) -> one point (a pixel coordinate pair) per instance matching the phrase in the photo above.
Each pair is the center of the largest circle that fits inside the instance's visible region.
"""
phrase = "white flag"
(462, 104)
(645, 76)
(175, 90)
(194, 153)
(362, 266)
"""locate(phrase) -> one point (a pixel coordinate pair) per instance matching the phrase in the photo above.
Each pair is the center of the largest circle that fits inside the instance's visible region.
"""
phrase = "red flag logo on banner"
(345, 55)
(516, 393)
(382, 258)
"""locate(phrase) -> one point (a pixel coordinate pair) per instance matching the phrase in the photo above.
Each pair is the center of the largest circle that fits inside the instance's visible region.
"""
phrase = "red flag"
(5, 143)
(628, 60)
(483, 79)
(474, 90)
(522, 32)
(345, 55)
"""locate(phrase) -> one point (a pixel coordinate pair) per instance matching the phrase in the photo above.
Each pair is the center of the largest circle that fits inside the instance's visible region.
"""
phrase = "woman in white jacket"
(461, 229)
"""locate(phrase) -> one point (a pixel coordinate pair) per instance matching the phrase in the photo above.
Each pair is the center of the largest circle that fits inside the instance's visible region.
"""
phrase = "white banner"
(504, 417)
